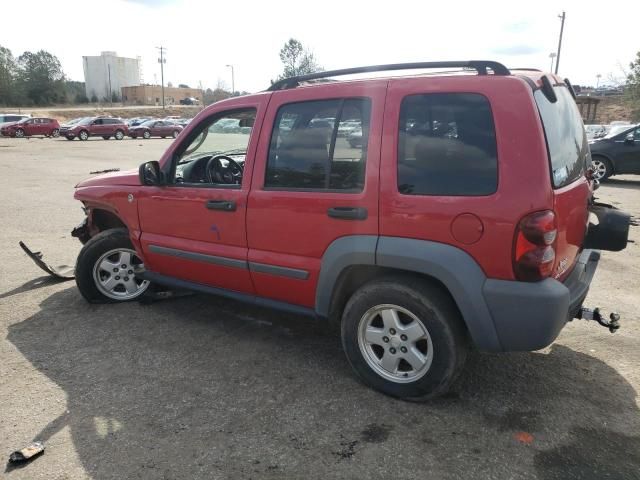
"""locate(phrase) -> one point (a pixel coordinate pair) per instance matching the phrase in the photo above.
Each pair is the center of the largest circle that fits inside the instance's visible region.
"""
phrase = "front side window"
(447, 145)
(214, 153)
(320, 144)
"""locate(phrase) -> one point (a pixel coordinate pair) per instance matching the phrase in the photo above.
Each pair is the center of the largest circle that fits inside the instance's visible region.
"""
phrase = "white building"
(123, 72)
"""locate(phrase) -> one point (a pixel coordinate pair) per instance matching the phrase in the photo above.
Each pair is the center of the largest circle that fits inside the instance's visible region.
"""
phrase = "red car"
(105, 127)
(29, 127)
(155, 128)
(459, 221)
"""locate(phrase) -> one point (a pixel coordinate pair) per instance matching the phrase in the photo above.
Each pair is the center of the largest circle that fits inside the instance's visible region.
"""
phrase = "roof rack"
(480, 66)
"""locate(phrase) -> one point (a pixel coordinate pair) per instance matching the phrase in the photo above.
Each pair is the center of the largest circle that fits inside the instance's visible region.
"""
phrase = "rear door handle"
(348, 213)
(226, 205)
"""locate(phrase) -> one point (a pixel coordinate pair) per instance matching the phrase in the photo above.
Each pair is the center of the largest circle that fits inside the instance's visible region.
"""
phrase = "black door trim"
(200, 257)
(279, 271)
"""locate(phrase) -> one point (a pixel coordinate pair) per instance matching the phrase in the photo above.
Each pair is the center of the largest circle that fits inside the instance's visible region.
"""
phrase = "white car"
(7, 118)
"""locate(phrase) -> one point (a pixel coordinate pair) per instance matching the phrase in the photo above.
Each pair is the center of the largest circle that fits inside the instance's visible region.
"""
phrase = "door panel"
(289, 230)
(184, 235)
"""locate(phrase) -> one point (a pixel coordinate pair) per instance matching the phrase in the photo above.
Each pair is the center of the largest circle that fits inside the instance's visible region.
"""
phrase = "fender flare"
(454, 268)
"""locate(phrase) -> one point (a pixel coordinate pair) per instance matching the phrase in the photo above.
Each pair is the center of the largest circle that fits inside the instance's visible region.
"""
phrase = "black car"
(616, 153)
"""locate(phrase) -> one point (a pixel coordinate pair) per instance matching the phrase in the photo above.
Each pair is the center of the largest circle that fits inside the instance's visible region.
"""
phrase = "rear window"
(566, 138)
(447, 145)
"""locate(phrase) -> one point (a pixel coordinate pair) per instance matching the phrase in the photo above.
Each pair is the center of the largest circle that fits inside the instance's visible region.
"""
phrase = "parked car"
(7, 118)
(105, 127)
(617, 153)
(420, 247)
(29, 127)
(345, 128)
(595, 131)
(354, 137)
(134, 122)
(189, 101)
(155, 128)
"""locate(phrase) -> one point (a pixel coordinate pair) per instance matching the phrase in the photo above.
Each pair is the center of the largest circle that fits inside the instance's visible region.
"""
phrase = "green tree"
(42, 77)
(8, 68)
(633, 86)
(297, 60)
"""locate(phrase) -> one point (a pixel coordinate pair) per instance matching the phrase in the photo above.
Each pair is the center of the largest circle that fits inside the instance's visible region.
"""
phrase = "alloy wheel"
(114, 277)
(395, 343)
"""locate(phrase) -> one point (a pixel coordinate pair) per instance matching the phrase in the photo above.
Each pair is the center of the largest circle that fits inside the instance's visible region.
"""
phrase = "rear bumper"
(529, 316)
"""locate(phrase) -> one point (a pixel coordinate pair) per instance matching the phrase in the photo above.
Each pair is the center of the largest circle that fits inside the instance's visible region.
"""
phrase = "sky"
(202, 37)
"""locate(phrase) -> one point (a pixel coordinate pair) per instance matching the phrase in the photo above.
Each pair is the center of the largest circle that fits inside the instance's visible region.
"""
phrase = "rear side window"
(566, 138)
(319, 145)
(447, 145)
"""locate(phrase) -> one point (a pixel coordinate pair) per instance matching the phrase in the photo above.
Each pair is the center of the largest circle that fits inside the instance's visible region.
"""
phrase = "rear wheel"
(105, 269)
(404, 338)
(147, 134)
(19, 133)
(601, 168)
(83, 135)
(55, 133)
(119, 135)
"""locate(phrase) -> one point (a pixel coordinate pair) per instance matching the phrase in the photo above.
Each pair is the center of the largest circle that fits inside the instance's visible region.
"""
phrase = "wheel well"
(104, 220)
(353, 277)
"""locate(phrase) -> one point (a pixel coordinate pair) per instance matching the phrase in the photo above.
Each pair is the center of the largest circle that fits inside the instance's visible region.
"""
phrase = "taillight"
(534, 248)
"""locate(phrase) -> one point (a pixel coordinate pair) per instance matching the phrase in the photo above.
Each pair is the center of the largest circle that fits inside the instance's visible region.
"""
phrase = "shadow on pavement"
(43, 281)
(202, 387)
(620, 183)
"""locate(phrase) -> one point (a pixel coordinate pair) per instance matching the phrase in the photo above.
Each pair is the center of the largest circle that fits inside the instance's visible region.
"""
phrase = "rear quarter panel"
(523, 172)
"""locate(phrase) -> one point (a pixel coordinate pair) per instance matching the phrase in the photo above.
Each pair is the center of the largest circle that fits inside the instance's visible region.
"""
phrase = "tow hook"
(587, 314)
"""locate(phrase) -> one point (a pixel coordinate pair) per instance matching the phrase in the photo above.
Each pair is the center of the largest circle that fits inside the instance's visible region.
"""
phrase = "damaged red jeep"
(461, 219)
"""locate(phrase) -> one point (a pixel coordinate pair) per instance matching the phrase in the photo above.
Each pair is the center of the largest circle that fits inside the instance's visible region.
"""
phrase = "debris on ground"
(108, 170)
(27, 453)
(63, 272)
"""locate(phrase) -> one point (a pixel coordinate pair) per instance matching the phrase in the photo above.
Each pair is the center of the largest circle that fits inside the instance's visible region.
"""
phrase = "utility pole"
(233, 81)
(162, 60)
(110, 94)
(561, 17)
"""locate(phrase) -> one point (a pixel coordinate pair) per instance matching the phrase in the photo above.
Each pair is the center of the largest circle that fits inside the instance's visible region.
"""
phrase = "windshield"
(76, 120)
(618, 129)
(147, 123)
(85, 120)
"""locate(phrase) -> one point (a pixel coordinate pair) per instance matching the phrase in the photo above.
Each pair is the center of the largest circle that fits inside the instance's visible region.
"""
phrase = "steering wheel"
(229, 175)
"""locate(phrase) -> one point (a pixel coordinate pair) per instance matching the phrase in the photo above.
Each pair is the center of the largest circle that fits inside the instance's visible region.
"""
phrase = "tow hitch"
(587, 314)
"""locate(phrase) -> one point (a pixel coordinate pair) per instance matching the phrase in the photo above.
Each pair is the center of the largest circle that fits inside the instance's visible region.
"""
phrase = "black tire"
(83, 135)
(438, 314)
(90, 254)
(175, 134)
(119, 135)
(146, 135)
(608, 168)
(19, 133)
(106, 137)
(55, 133)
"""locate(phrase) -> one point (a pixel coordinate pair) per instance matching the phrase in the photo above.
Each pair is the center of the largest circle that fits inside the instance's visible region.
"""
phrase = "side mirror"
(150, 174)
(629, 140)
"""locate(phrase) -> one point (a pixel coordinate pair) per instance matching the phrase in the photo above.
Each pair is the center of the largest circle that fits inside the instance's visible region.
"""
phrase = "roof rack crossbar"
(480, 66)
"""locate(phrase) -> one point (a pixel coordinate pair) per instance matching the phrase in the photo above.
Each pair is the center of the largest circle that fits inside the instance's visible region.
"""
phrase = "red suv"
(459, 221)
(105, 127)
(47, 127)
(155, 128)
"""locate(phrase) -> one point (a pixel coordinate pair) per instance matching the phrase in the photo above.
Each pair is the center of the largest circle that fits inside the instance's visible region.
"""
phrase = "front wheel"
(404, 338)
(83, 135)
(19, 133)
(146, 134)
(175, 134)
(105, 270)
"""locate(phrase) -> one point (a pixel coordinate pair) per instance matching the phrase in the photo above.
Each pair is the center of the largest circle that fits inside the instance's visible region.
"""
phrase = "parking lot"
(202, 387)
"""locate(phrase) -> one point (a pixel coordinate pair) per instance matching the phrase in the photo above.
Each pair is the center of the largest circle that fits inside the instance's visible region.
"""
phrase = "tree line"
(36, 78)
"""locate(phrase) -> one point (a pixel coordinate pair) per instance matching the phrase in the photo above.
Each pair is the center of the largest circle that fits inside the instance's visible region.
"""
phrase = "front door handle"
(348, 213)
(226, 205)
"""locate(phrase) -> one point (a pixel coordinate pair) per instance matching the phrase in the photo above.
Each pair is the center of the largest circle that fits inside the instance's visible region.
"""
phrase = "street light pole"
(233, 82)
(162, 60)
(598, 80)
(110, 92)
(552, 55)
(562, 17)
